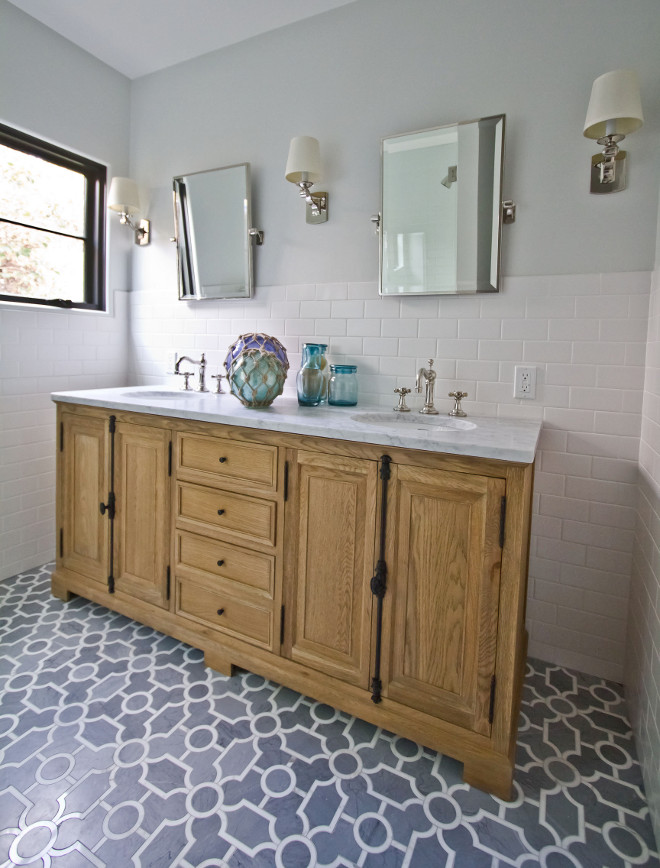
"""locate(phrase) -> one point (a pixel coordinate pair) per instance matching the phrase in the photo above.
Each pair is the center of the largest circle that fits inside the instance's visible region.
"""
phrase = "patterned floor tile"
(119, 748)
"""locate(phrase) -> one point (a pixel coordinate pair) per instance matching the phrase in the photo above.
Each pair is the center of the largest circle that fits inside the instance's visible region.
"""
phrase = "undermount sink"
(414, 420)
(157, 393)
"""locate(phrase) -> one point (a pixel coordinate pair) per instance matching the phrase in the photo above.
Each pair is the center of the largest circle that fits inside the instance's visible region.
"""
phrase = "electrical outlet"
(524, 383)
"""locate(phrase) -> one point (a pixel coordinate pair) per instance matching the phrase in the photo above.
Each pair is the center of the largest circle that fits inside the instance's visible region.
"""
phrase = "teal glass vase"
(311, 381)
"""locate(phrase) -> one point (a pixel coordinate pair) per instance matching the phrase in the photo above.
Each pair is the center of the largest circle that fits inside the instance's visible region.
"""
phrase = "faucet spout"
(180, 359)
(202, 370)
(428, 375)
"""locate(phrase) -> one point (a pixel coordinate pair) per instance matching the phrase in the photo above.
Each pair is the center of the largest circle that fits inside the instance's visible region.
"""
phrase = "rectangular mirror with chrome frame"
(213, 233)
(441, 211)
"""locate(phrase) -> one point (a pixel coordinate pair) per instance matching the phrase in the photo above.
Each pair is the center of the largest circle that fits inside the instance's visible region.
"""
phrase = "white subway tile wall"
(642, 676)
(42, 351)
(586, 334)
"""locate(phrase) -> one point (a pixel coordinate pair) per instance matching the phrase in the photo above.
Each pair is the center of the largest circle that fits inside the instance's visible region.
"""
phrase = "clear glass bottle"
(326, 372)
(311, 381)
(343, 387)
(324, 368)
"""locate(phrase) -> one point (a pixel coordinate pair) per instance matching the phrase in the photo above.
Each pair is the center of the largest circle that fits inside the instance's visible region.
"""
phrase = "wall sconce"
(615, 110)
(303, 168)
(124, 198)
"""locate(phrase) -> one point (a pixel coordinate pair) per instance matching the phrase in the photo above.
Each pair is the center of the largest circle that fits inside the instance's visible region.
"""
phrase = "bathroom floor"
(118, 748)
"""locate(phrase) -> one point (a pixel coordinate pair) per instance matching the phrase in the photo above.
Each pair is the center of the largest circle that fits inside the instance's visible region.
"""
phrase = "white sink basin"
(414, 420)
(157, 393)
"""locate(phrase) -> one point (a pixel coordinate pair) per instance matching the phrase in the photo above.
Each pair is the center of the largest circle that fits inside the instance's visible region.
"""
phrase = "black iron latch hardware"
(108, 507)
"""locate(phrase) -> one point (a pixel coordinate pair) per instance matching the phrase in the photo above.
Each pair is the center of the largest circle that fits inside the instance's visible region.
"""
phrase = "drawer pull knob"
(220, 563)
(222, 460)
(221, 611)
(221, 512)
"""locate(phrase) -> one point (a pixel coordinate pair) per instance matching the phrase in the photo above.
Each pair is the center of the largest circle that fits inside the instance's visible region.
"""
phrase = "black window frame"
(94, 243)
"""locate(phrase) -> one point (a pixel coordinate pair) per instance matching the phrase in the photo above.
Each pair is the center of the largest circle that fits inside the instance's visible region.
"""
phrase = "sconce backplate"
(322, 212)
(143, 233)
(620, 179)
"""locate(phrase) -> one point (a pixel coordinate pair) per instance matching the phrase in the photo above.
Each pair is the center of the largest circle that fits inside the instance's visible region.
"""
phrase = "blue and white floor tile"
(119, 748)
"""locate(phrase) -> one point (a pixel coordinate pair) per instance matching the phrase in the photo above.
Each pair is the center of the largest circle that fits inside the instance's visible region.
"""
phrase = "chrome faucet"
(186, 374)
(429, 375)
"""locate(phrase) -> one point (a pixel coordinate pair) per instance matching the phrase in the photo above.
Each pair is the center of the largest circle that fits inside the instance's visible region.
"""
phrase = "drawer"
(223, 612)
(236, 515)
(220, 459)
(218, 558)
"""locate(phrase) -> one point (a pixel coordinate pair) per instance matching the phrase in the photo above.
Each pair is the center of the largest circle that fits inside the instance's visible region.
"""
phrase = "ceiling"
(137, 37)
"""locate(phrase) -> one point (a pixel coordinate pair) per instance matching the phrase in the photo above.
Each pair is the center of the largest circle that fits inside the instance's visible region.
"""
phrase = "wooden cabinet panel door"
(142, 518)
(334, 540)
(445, 591)
(83, 486)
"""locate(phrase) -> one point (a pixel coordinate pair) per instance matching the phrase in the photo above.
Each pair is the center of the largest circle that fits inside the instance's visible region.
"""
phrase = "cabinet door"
(83, 486)
(333, 535)
(142, 518)
(445, 594)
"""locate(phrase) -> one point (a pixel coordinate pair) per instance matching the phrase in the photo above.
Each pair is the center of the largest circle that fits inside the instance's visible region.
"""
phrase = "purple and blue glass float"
(256, 366)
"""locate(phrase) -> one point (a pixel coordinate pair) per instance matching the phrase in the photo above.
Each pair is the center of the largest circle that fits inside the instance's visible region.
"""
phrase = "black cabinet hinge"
(61, 436)
(385, 472)
(378, 583)
(167, 587)
(61, 542)
(491, 705)
(286, 481)
(111, 425)
(502, 520)
(282, 626)
(111, 584)
(169, 459)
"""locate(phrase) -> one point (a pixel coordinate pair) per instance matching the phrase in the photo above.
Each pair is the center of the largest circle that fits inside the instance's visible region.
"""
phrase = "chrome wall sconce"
(125, 199)
(615, 110)
(303, 168)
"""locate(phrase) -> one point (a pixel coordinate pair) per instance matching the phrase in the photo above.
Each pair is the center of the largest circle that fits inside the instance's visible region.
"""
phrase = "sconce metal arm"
(608, 162)
(316, 203)
(142, 228)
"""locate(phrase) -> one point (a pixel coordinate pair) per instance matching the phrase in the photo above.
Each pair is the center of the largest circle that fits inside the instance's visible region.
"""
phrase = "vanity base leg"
(491, 774)
(60, 591)
(218, 663)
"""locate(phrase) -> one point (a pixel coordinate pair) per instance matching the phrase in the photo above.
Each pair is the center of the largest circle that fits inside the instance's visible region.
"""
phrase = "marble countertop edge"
(501, 438)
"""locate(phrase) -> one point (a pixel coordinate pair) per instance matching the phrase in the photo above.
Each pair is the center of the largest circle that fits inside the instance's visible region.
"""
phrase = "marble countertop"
(491, 437)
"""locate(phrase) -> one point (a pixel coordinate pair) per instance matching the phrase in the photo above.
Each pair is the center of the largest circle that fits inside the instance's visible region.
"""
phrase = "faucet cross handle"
(457, 410)
(219, 378)
(402, 407)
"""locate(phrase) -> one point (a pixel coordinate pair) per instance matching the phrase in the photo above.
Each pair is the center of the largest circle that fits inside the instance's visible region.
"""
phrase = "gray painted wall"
(378, 67)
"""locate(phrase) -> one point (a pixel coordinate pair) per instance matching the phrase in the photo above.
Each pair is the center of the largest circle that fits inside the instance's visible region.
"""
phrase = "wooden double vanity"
(378, 568)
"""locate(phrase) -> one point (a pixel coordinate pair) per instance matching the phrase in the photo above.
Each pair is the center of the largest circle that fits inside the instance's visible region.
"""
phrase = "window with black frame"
(52, 224)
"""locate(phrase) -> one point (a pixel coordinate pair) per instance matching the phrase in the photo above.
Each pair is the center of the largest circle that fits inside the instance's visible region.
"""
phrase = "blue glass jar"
(311, 380)
(343, 388)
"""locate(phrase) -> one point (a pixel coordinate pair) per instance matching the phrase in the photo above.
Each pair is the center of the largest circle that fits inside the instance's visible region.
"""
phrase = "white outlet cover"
(524, 383)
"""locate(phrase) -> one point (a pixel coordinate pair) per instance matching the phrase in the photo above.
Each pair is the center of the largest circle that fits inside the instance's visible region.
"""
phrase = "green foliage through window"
(52, 224)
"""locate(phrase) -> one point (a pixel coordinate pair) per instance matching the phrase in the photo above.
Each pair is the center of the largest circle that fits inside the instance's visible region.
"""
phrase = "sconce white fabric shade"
(304, 158)
(124, 196)
(615, 98)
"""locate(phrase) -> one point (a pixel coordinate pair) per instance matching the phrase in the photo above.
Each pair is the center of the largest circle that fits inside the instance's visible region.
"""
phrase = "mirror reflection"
(212, 224)
(441, 215)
